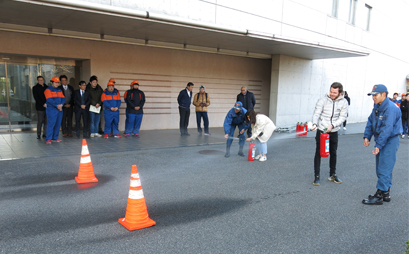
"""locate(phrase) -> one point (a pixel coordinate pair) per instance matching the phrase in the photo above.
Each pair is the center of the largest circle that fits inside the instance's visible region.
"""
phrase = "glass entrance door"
(17, 104)
(21, 78)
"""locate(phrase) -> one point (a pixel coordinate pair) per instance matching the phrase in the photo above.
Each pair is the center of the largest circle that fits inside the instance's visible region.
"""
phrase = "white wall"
(296, 84)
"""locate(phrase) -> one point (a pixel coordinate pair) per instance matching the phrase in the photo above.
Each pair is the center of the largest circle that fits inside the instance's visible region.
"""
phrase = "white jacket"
(328, 111)
(265, 125)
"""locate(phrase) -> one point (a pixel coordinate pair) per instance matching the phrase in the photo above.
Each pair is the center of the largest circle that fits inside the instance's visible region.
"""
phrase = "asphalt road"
(206, 203)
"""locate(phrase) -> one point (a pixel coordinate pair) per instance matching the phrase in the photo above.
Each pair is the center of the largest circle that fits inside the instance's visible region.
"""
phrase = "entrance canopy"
(86, 20)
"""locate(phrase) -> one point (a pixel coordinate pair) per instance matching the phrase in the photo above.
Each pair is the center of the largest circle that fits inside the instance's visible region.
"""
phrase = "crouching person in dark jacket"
(235, 118)
(135, 99)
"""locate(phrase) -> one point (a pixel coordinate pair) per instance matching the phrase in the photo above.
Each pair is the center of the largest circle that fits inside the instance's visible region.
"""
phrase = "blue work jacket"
(383, 123)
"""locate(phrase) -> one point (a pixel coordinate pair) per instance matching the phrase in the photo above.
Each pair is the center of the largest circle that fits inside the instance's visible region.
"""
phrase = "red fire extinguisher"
(305, 128)
(324, 148)
(252, 151)
(297, 133)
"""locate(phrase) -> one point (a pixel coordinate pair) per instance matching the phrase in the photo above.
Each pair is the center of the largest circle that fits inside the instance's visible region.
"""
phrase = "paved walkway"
(26, 145)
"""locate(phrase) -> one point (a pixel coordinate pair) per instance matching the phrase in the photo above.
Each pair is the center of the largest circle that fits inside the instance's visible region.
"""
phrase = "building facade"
(287, 52)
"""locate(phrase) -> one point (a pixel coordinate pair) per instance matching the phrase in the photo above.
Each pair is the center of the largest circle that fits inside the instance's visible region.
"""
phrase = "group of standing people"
(385, 123)
(55, 106)
(404, 108)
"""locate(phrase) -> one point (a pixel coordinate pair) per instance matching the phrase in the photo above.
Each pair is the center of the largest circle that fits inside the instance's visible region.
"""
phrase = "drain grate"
(211, 152)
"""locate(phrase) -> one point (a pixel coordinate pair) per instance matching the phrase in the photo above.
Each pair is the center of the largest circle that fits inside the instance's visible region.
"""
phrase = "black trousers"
(66, 123)
(333, 145)
(85, 120)
(184, 119)
(41, 119)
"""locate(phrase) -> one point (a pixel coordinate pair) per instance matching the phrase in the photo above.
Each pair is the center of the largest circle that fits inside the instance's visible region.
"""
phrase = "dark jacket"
(77, 100)
(38, 93)
(95, 94)
(348, 99)
(71, 102)
(248, 100)
(235, 118)
(384, 123)
(404, 108)
(184, 100)
(135, 98)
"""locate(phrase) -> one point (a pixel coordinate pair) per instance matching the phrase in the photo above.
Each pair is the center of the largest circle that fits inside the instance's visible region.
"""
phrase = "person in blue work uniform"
(135, 100)
(112, 101)
(55, 100)
(385, 125)
(235, 118)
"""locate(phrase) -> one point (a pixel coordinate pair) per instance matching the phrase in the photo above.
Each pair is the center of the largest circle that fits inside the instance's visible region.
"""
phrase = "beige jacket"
(202, 99)
(263, 125)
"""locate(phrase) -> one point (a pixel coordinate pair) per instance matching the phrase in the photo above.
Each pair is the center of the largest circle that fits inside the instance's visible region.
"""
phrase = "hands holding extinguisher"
(328, 129)
(375, 151)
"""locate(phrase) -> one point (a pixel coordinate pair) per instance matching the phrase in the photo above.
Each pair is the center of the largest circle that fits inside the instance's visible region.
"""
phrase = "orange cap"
(135, 82)
(112, 80)
(111, 84)
(404, 94)
(55, 79)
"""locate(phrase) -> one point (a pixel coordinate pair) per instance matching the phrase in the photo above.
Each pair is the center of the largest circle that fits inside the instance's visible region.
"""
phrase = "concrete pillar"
(275, 65)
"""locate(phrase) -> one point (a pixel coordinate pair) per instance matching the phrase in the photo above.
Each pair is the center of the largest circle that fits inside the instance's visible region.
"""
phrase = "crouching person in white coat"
(263, 128)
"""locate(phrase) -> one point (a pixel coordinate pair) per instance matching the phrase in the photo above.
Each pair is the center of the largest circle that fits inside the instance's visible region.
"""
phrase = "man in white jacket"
(329, 114)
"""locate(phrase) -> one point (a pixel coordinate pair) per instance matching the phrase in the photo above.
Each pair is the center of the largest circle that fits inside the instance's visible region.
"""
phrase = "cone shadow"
(165, 215)
(51, 188)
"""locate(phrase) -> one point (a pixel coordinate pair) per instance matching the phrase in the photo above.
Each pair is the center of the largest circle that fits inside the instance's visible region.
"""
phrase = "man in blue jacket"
(55, 100)
(385, 125)
(184, 101)
(111, 99)
(235, 118)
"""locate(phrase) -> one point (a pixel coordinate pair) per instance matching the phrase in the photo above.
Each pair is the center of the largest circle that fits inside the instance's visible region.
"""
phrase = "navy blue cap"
(238, 105)
(378, 89)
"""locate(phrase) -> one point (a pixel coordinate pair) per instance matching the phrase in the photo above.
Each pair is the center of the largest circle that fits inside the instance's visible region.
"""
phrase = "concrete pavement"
(203, 202)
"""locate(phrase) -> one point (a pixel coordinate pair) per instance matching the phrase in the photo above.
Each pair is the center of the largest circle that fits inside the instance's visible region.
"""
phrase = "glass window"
(368, 16)
(344, 10)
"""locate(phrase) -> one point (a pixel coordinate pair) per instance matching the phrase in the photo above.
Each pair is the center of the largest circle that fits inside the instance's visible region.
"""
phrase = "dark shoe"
(187, 134)
(241, 151)
(44, 136)
(376, 199)
(387, 195)
(38, 137)
(227, 155)
(334, 178)
(316, 181)
(64, 135)
(69, 135)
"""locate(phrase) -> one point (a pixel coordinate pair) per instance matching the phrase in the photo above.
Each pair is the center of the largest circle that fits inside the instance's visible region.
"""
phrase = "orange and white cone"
(136, 216)
(86, 170)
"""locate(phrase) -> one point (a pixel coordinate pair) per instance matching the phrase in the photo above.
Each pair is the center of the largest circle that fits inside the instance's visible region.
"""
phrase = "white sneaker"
(257, 157)
(98, 135)
(403, 135)
(263, 158)
(92, 135)
(345, 128)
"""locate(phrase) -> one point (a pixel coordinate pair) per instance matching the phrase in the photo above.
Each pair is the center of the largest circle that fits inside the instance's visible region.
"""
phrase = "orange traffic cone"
(86, 170)
(136, 216)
